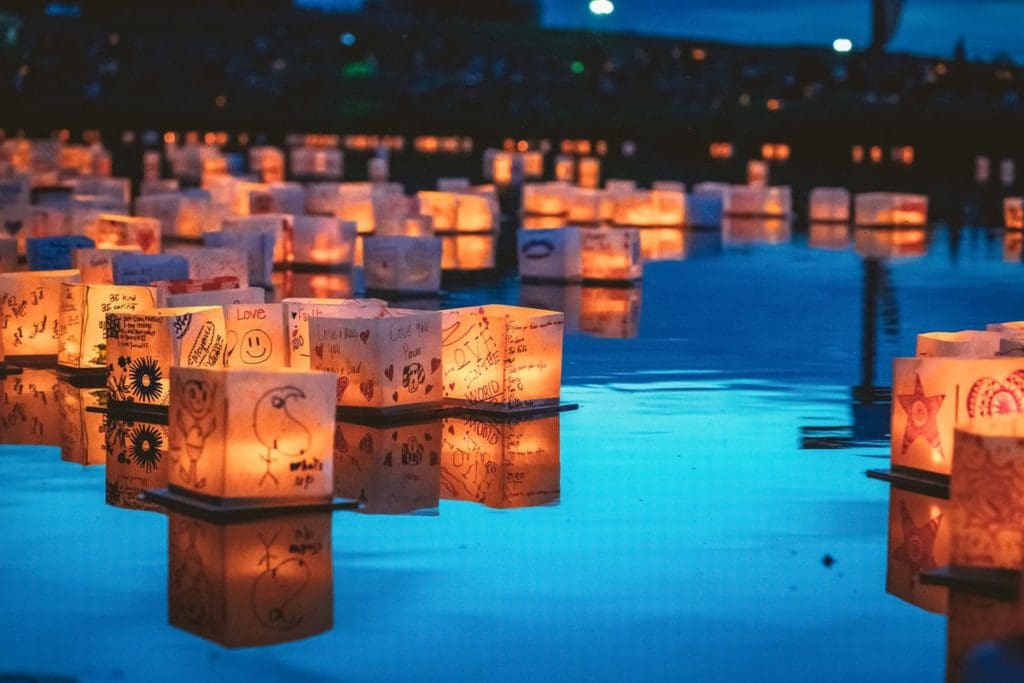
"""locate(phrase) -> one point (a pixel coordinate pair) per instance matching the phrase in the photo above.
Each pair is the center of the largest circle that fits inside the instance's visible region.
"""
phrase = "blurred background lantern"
(54, 253)
(112, 230)
(751, 200)
(256, 336)
(185, 215)
(213, 262)
(889, 208)
(258, 248)
(130, 268)
(588, 172)
(918, 542)
(82, 427)
(252, 583)
(323, 242)
(829, 204)
(83, 318)
(252, 436)
(30, 310)
(96, 266)
(292, 284)
(757, 173)
(29, 408)
(1013, 213)
(611, 254)
(662, 244)
(280, 225)
(402, 264)
(8, 254)
(502, 357)
(136, 459)
(298, 311)
(545, 199)
(550, 255)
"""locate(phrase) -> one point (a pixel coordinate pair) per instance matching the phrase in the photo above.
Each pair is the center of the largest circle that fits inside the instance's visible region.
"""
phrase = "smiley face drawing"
(255, 347)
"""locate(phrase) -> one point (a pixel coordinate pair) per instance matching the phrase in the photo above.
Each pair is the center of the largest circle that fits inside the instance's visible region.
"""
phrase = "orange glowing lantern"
(112, 231)
(584, 205)
(747, 230)
(267, 163)
(181, 214)
(1013, 246)
(565, 168)
(82, 425)
(611, 255)
(251, 436)
(468, 252)
(29, 409)
(551, 255)
(888, 208)
(316, 163)
(662, 244)
(206, 263)
(258, 248)
(757, 200)
(281, 225)
(501, 463)
(652, 208)
(876, 154)
(383, 364)
(136, 460)
(30, 305)
(402, 264)
(298, 312)
(142, 347)
(322, 241)
(82, 320)
(919, 529)
(252, 583)
(588, 171)
(1013, 213)
(829, 204)
(256, 336)
(441, 207)
(720, 150)
(857, 154)
(502, 357)
(757, 173)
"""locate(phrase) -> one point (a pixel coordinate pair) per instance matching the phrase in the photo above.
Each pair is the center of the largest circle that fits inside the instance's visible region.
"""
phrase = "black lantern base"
(219, 510)
(917, 481)
(996, 583)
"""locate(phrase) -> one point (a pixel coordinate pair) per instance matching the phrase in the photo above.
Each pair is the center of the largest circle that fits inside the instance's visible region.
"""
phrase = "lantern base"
(6, 370)
(622, 283)
(38, 361)
(536, 279)
(417, 411)
(141, 411)
(297, 267)
(83, 378)
(997, 583)
(496, 411)
(916, 481)
(225, 510)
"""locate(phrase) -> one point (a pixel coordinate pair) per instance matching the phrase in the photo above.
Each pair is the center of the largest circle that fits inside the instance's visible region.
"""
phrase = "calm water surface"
(717, 458)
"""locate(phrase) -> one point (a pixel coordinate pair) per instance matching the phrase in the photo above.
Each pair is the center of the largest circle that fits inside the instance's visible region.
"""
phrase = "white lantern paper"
(545, 199)
(611, 255)
(830, 204)
(252, 435)
(112, 230)
(398, 263)
(315, 162)
(158, 186)
(963, 344)
(550, 255)
(205, 263)
(217, 297)
(389, 364)
(258, 248)
(281, 226)
(256, 336)
(757, 173)
(1013, 213)
(298, 312)
(83, 317)
(750, 200)
(29, 311)
(142, 269)
(650, 208)
(503, 357)
(889, 208)
(323, 241)
(54, 253)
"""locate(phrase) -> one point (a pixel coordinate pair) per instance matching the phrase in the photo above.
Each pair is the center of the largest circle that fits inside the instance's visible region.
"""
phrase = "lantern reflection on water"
(30, 408)
(112, 230)
(830, 236)
(1013, 213)
(136, 460)
(749, 200)
(82, 431)
(886, 243)
(83, 317)
(918, 542)
(30, 310)
(889, 208)
(389, 469)
(740, 231)
(252, 583)
(499, 463)
(611, 312)
(662, 244)
(1013, 246)
(291, 284)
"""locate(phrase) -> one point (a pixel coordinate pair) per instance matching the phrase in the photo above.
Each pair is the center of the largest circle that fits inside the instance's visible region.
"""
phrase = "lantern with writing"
(755, 200)
(256, 336)
(136, 459)
(502, 357)
(54, 253)
(829, 204)
(141, 269)
(963, 344)
(252, 583)
(142, 347)
(298, 311)
(389, 469)
(383, 364)
(82, 430)
(611, 255)
(251, 436)
(889, 208)
(205, 263)
(501, 463)
(918, 542)
(112, 230)
(96, 266)
(83, 318)
(258, 248)
(29, 409)
(30, 310)
(550, 255)
(324, 242)
(1013, 213)
(402, 264)
(181, 214)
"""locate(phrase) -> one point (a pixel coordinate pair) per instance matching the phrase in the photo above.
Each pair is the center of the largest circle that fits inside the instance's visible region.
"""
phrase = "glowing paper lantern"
(402, 264)
(501, 464)
(136, 459)
(931, 395)
(298, 312)
(29, 311)
(217, 297)
(252, 435)
(181, 214)
(253, 583)
(54, 253)
(29, 409)
(83, 317)
(759, 200)
(551, 255)
(588, 171)
(584, 205)
(389, 364)
(96, 266)
(316, 163)
(286, 197)
(890, 242)
(389, 469)
(888, 208)
(757, 173)
(963, 344)
(267, 163)
(987, 492)
(830, 204)
(142, 347)
(547, 199)
(1013, 213)
(256, 336)
(8, 254)
(541, 222)
(82, 431)
(141, 269)
(918, 542)
(651, 208)
(281, 226)
(565, 168)
(502, 357)
(119, 231)
(205, 263)
(468, 252)
(322, 241)
(611, 255)
(258, 248)
(377, 170)
(612, 312)
(453, 184)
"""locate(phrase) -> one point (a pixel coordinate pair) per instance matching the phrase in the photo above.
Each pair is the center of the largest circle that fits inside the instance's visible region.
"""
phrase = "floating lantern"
(377, 170)
(546, 199)
(982, 169)
(298, 312)
(118, 190)
(705, 206)
(588, 171)
(29, 408)
(750, 200)
(141, 269)
(501, 463)
(29, 311)
(888, 208)
(584, 206)
(748, 230)
(286, 197)
(1013, 213)
(206, 263)
(830, 204)
(316, 163)
(252, 583)
(118, 231)
(551, 255)
(918, 542)
(142, 347)
(565, 168)
(184, 215)
(468, 252)
(402, 264)
(217, 297)
(54, 253)
(258, 248)
(757, 173)
(82, 320)
(390, 470)
(611, 255)
(653, 208)
(611, 312)
(82, 430)
(890, 242)
(252, 436)
(281, 226)
(136, 459)
(321, 241)
(97, 265)
(987, 492)
(502, 357)
(256, 336)
(542, 222)
(963, 344)
(720, 150)
(831, 236)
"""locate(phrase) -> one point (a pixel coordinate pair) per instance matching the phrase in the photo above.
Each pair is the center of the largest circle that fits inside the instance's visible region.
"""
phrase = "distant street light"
(601, 7)
(842, 44)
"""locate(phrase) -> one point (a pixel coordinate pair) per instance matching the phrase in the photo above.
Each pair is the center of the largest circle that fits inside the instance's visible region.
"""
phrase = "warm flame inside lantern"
(30, 305)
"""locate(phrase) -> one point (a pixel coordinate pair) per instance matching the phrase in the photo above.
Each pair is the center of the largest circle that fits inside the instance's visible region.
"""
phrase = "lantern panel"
(83, 317)
(281, 226)
(890, 208)
(831, 236)
(1013, 213)
(54, 253)
(546, 199)
(890, 243)
(181, 214)
(298, 312)
(256, 336)
(830, 204)
(554, 255)
(141, 269)
(30, 310)
(747, 230)
(323, 241)
(113, 230)
(757, 173)
(212, 262)
(611, 254)
(468, 252)
(8, 254)
(96, 266)
(258, 248)
(756, 200)
(402, 264)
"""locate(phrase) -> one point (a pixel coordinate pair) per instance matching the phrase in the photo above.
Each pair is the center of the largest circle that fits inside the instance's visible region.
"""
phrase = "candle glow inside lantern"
(316, 162)
(389, 469)
(250, 436)
(890, 208)
(112, 230)
(323, 241)
(258, 248)
(829, 204)
(142, 347)
(181, 214)
(385, 364)
(502, 357)
(1013, 213)
(136, 460)
(281, 226)
(588, 171)
(253, 583)
(756, 200)
(398, 263)
(611, 255)
(256, 336)
(467, 252)
(82, 320)
(501, 463)
(550, 255)
(30, 310)
(650, 208)
(565, 168)
(546, 199)
(757, 173)
(918, 542)
(54, 253)
(298, 312)
(29, 409)
(82, 431)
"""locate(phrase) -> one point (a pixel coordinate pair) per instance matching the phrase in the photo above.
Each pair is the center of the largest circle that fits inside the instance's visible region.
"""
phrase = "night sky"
(928, 26)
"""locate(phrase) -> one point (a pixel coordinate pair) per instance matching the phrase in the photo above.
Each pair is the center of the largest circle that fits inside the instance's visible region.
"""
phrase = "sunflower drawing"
(145, 447)
(145, 377)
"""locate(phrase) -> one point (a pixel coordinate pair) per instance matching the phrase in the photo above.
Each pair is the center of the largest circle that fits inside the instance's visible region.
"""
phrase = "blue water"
(716, 459)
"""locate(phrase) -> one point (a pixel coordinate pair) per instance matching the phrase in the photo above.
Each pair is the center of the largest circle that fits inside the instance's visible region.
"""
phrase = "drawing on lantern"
(989, 396)
(278, 430)
(196, 421)
(145, 447)
(255, 347)
(278, 587)
(413, 375)
(190, 586)
(144, 375)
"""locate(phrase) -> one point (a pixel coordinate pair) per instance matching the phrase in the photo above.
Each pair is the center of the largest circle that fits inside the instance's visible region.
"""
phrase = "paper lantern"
(662, 244)
(611, 255)
(254, 583)
(829, 204)
(1013, 213)
(256, 336)
(321, 241)
(532, 163)
(612, 312)
(83, 316)
(931, 395)
(29, 311)
(588, 171)
(54, 253)
(212, 262)
(1007, 172)
(383, 364)
(963, 344)
(652, 208)
(889, 208)
(251, 436)
(310, 163)
(751, 200)
(705, 206)
(757, 173)
(389, 469)
(377, 170)
(565, 168)
(402, 264)
(166, 288)
(469, 252)
(887, 243)
(987, 493)
(550, 255)
(502, 357)
(281, 226)
(267, 163)
(547, 199)
(217, 297)
(96, 266)
(748, 230)
(82, 428)
(118, 231)
(918, 542)
(181, 214)
(115, 189)
(298, 312)
(141, 269)
(831, 236)
(29, 408)
(258, 248)
(501, 464)
(397, 214)
(142, 347)
(453, 184)
(136, 460)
